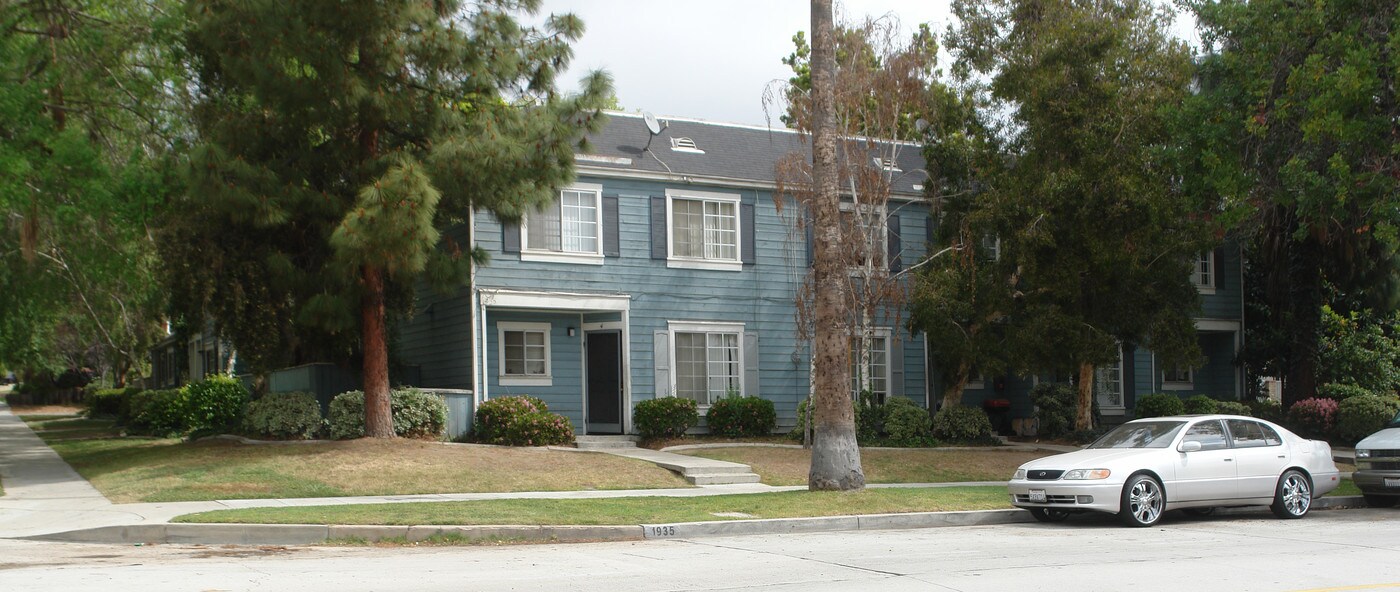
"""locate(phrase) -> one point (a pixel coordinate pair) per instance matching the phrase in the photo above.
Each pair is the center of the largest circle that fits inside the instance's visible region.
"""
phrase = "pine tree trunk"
(379, 421)
(1084, 411)
(835, 455)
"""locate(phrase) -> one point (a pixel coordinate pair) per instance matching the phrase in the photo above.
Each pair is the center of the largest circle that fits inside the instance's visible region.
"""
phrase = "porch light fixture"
(570, 331)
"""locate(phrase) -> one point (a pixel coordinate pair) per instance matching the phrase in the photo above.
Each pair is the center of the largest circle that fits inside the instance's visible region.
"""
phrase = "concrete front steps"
(696, 470)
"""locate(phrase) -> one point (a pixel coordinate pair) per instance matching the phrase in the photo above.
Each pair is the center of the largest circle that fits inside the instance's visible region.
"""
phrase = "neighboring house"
(176, 361)
(667, 269)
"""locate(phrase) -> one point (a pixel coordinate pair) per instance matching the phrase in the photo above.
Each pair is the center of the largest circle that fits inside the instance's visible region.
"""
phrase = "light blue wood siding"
(761, 296)
(1227, 300)
(565, 395)
(437, 339)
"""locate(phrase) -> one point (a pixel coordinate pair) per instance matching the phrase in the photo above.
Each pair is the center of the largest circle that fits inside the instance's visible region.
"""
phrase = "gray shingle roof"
(731, 151)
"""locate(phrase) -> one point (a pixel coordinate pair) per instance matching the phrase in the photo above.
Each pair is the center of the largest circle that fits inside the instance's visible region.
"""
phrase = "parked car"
(1146, 467)
(1378, 466)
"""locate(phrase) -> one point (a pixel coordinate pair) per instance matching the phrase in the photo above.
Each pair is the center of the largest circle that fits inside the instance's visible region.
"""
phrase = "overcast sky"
(707, 59)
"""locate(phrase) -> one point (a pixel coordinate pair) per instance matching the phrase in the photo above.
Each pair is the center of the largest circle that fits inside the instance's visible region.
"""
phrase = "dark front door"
(604, 352)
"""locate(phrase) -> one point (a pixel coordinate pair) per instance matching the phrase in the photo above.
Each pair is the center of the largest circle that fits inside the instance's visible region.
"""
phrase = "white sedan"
(1143, 468)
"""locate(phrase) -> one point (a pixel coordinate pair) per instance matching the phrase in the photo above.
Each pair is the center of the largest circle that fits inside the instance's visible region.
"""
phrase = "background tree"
(1296, 136)
(91, 116)
(1101, 242)
(344, 139)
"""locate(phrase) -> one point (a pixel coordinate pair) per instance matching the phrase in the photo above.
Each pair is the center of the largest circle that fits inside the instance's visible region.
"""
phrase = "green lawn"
(789, 466)
(634, 510)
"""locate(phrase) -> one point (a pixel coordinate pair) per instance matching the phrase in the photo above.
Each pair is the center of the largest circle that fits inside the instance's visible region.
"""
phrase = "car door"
(1209, 473)
(1260, 457)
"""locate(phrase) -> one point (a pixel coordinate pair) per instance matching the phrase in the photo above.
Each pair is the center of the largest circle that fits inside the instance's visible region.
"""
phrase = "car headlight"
(1082, 474)
(1019, 476)
(1363, 453)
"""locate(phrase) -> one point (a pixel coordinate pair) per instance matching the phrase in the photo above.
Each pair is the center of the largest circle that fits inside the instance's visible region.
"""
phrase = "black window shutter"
(1129, 375)
(1218, 266)
(510, 237)
(746, 237)
(611, 243)
(892, 239)
(658, 228)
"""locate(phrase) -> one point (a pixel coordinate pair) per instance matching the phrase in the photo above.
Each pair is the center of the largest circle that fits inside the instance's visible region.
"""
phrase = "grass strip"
(625, 510)
(789, 466)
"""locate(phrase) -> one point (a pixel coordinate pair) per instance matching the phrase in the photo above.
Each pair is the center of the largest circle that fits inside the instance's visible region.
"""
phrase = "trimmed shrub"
(1200, 405)
(802, 410)
(665, 417)
(158, 413)
(495, 415)
(1361, 416)
(1313, 418)
(1054, 408)
(107, 402)
(906, 424)
(1233, 408)
(538, 428)
(742, 417)
(1159, 405)
(1267, 409)
(1340, 392)
(963, 424)
(214, 404)
(416, 414)
(284, 416)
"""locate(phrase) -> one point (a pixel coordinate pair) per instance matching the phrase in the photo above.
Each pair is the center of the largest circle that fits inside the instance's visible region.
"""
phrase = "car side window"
(1246, 434)
(1210, 433)
(1271, 438)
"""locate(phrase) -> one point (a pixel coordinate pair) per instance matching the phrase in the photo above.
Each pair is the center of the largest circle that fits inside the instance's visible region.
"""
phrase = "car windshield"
(1145, 434)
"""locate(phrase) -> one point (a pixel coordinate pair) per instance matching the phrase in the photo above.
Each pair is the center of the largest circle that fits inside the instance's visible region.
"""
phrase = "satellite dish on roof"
(653, 125)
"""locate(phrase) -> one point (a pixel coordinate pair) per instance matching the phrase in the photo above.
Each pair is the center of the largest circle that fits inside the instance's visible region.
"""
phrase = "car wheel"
(1379, 501)
(1293, 496)
(1199, 512)
(1142, 501)
(1050, 514)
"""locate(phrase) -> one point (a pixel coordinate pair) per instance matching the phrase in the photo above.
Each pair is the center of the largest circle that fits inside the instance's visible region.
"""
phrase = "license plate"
(1038, 495)
(1392, 482)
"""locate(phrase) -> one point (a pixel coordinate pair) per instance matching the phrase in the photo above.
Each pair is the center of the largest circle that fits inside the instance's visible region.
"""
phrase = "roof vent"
(887, 164)
(685, 145)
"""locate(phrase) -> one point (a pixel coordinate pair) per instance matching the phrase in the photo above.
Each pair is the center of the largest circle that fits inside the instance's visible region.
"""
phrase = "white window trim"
(1209, 287)
(675, 262)
(547, 256)
(674, 327)
(884, 251)
(976, 383)
(519, 380)
(888, 335)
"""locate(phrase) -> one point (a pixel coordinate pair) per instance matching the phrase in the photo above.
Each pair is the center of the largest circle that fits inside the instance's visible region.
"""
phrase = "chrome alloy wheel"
(1143, 502)
(1296, 495)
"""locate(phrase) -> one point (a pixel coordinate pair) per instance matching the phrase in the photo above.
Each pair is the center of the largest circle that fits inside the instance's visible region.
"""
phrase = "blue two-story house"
(669, 268)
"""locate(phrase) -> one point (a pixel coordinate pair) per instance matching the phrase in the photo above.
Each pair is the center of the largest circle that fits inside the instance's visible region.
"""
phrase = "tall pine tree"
(339, 140)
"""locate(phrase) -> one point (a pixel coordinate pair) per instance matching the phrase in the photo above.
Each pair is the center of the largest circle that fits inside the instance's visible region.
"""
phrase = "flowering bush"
(497, 414)
(665, 417)
(741, 417)
(1313, 418)
(521, 421)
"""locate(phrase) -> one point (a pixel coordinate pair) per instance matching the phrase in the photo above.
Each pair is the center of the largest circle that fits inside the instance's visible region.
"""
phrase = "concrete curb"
(314, 534)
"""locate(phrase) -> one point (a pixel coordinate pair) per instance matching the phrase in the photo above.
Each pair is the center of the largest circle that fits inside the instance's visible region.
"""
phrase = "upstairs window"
(704, 230)
(1204, 274)
(571, 226)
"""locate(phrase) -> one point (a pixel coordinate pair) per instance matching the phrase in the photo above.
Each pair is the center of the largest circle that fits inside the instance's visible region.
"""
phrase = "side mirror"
(1189, 446)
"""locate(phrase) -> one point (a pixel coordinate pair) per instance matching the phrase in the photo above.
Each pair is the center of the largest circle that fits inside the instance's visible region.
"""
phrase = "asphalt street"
(1328, 550)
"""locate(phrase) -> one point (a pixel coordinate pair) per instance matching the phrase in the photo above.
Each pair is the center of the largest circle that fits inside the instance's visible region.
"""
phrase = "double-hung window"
(1176, 378)
(524, 354)
(1204, 274)
(704, 230)
(872, 372)
(1108, 384)
(568, 230)
(707, 361)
